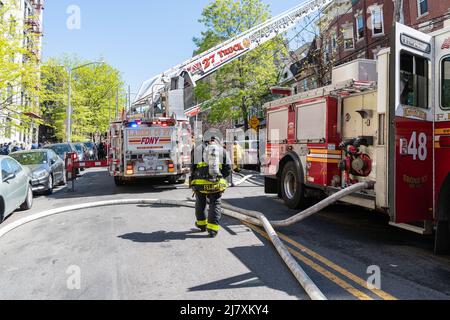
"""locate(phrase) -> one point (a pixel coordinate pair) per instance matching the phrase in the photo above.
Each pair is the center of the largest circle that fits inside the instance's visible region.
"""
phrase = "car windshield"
(61, 149)
(32, 158)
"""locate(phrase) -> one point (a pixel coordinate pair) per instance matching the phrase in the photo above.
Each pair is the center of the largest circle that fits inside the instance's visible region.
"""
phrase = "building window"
(349, 42)
(360, 27)
(327, 51)
(334, 41)
(445, 90)
(377, 21)
(414, 81)
(423, 7)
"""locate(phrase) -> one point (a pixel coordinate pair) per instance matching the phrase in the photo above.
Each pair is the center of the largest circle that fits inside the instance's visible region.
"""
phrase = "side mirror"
(9, 177)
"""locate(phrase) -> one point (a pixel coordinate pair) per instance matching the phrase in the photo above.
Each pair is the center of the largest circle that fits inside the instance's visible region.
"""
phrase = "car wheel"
(49, 186)
(64, 180)
(292, 187)
(2, 209)
(28, 201)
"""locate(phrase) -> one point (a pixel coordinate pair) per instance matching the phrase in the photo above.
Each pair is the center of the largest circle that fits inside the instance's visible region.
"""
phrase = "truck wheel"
(442, 242)
(173, 180)
(292, 187)
(119, 181)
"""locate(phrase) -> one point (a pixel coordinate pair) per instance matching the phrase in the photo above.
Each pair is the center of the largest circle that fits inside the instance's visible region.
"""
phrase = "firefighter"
(238, 154)
(210, 169)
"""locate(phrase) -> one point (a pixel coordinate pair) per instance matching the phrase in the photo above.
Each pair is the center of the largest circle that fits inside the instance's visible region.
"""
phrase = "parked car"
(15, 187)
(46, 167)
(92, 150)
(82, 151)
(61, 149)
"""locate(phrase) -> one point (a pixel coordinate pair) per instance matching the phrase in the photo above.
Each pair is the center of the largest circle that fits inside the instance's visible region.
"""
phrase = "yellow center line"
(332, 265)
(343, 284)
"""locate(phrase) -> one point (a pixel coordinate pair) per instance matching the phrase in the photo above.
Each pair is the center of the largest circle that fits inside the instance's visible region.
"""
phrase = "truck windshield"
(445, 93)
(413, 81)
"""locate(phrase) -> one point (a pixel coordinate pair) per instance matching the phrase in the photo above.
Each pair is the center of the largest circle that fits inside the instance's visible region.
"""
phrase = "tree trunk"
(245, 115)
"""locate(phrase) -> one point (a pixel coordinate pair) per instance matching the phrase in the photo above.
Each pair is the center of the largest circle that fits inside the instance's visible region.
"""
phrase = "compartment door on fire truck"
(411, 131)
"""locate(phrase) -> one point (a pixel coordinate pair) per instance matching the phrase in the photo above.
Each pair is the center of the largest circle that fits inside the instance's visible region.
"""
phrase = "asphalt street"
(153, 252)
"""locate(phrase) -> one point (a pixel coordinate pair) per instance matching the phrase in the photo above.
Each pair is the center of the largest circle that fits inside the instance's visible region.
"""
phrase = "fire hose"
(251, 217)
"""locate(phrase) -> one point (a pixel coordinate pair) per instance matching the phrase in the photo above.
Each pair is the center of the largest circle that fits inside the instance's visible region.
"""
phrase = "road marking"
(341, 270)
(343, 284)
(332, 265)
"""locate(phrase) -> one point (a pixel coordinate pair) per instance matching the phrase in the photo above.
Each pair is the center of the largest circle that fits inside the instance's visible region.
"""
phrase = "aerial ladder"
(211, 60)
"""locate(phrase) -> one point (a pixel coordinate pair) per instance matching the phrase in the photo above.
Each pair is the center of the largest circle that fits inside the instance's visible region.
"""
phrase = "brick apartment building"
(354, 29)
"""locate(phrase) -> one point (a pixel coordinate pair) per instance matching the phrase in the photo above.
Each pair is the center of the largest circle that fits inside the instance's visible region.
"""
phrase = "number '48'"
(418, 146)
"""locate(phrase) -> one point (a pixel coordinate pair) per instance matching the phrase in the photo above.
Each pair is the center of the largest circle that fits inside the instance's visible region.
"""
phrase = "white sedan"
(15, 187)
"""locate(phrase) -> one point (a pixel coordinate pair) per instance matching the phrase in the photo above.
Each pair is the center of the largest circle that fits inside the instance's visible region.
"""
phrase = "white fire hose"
(251, 217)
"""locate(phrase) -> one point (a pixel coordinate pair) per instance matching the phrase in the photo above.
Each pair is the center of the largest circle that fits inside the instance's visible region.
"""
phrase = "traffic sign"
(254, 122)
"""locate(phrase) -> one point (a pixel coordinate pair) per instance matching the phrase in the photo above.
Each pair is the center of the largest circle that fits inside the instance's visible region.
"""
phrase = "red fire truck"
(143, 147)
(391, 127)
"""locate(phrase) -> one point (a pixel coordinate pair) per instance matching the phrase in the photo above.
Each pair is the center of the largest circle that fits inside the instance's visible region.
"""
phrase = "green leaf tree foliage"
(96, 91)
(241, 85)
(19, 68)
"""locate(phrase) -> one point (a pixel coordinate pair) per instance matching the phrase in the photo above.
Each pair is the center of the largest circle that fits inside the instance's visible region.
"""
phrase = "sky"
(141, 38)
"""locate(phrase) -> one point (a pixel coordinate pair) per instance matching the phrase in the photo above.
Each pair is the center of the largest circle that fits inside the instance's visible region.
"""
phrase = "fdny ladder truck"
(392, 129)
(147, 147)
(153, 139)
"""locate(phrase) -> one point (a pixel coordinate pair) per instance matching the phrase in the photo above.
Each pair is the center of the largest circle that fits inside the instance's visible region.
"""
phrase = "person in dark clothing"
(101, 151)
(210, 168)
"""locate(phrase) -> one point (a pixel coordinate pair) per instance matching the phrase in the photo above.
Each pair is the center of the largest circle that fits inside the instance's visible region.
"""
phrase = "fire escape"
(33, 24)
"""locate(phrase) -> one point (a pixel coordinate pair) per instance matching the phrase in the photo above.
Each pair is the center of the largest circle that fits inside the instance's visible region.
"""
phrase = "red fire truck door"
(411, 131)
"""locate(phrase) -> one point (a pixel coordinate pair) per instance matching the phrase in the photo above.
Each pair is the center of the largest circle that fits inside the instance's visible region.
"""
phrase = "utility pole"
(69, 109)
(117, 102)
(129, 98)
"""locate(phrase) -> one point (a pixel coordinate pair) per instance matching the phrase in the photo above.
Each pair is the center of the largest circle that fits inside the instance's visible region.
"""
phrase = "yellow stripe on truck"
(442, 131)
(325, 151)
(322, 160)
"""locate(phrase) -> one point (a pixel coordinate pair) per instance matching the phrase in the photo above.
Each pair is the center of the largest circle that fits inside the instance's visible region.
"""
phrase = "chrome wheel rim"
(290, 185)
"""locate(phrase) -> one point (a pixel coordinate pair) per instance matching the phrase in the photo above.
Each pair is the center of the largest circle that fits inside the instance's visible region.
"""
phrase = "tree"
(19, 68)
(94, 97)
(240, 85)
